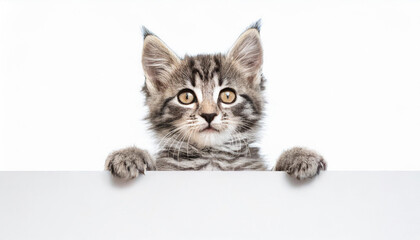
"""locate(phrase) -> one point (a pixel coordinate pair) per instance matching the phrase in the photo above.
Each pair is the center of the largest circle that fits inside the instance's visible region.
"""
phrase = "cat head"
(205, 100)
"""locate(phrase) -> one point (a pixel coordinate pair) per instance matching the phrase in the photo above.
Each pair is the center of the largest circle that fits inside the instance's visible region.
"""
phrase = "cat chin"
(210, 138)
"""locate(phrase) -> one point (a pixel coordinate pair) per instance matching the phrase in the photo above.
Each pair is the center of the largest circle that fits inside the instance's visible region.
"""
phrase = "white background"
(343, 77)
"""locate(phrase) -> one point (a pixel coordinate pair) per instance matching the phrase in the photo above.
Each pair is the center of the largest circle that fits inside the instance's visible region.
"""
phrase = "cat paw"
(301, 163)
(128, 163)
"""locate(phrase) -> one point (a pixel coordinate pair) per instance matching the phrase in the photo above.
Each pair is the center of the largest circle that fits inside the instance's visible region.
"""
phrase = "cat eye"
(227, 95)
(186, 96)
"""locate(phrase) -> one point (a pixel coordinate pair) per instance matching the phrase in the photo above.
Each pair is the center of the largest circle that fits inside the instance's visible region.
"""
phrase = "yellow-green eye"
(227, 95)
(186, 96)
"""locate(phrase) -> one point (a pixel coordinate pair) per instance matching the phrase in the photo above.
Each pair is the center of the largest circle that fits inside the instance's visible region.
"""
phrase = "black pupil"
(227, 95)
(187, 96)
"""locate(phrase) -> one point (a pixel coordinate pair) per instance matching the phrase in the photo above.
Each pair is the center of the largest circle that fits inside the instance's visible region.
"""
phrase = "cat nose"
(208, 116)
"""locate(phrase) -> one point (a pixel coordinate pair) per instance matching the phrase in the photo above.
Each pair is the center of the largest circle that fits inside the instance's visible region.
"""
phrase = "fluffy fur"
(207, 133)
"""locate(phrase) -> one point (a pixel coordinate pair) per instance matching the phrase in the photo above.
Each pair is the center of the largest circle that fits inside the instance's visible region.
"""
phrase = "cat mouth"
(209, 129)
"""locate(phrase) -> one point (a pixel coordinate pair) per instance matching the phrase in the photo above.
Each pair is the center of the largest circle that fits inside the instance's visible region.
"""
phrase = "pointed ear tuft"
(256, 25)
(158, 62)
(247, 52)
(146, 32)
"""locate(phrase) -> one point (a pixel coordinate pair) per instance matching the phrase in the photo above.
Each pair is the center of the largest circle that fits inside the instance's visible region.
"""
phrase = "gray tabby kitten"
(206, 111)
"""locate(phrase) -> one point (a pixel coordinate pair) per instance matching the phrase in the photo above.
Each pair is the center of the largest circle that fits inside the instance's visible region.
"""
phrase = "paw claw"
(127, 163)
(301, 163)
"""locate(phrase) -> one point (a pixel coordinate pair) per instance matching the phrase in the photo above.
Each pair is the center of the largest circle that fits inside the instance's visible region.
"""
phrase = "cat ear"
(247, 52)
(158, 62)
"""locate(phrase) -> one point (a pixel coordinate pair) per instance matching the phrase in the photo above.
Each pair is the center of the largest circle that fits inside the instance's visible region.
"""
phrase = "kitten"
(206, 111)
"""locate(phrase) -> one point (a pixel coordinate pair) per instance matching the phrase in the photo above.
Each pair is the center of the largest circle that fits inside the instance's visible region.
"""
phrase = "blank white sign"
(209, 205)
